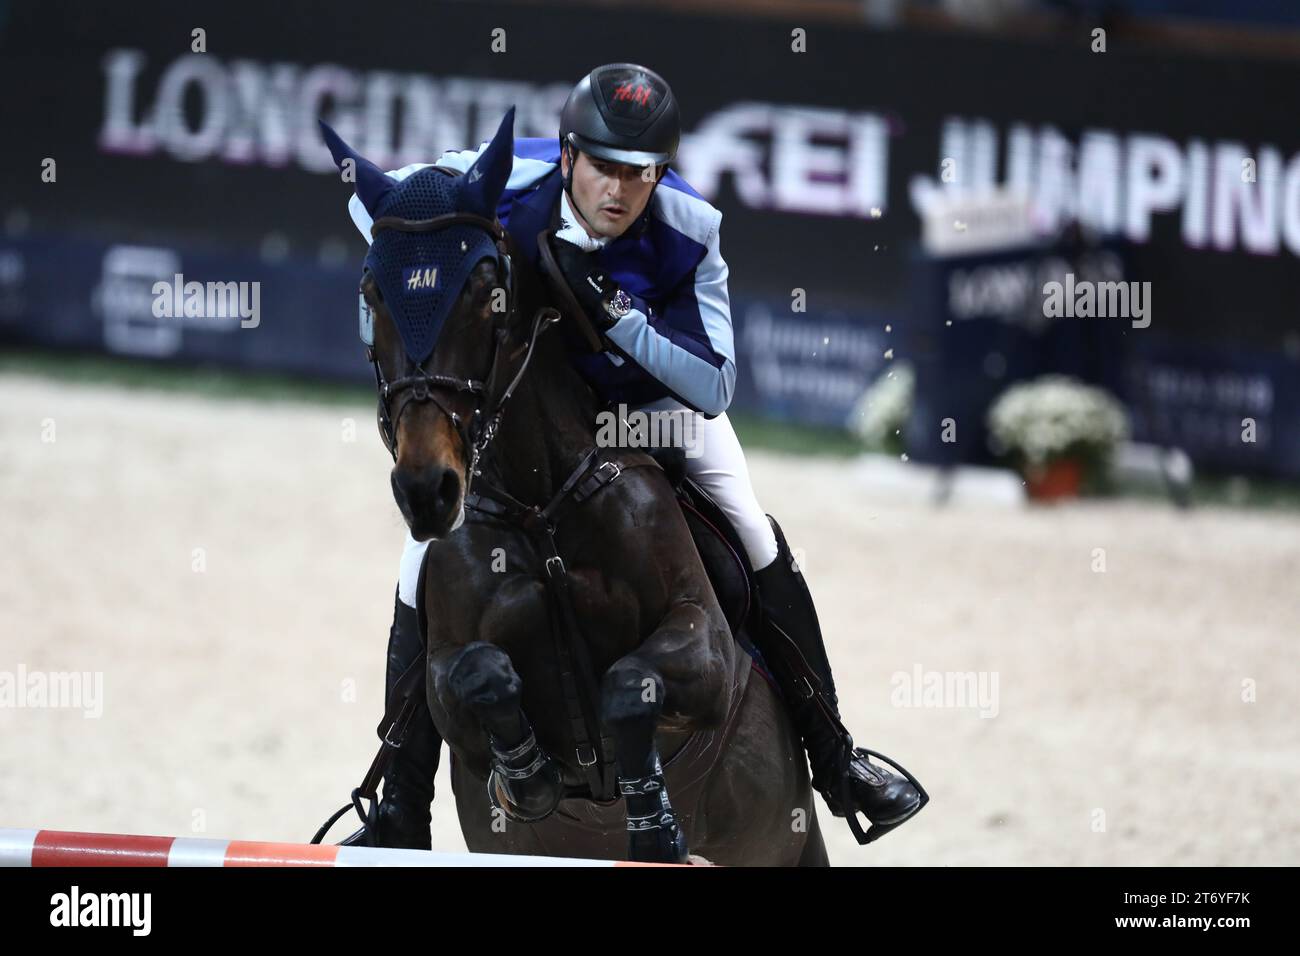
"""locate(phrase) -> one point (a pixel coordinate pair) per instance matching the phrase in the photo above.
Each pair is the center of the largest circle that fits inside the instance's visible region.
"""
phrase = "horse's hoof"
(530, 800)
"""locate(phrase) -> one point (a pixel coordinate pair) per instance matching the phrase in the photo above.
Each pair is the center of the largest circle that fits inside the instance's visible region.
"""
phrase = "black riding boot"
(408, 783)
(787, 607)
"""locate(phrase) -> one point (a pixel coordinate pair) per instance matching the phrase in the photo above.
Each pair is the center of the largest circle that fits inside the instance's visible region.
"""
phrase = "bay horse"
(579, 663)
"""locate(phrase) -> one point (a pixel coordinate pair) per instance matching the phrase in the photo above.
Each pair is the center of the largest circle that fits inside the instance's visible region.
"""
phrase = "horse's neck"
(546, 428)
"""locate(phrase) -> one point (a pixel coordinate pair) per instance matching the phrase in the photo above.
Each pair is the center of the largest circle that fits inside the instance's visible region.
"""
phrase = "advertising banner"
(138, 128)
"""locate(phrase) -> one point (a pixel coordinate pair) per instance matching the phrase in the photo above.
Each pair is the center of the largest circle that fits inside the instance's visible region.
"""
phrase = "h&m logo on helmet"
(637, 93)
(420, 278)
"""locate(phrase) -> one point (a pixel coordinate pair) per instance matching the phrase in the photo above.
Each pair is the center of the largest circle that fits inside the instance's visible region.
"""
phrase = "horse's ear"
(369, 180)
(483, 183)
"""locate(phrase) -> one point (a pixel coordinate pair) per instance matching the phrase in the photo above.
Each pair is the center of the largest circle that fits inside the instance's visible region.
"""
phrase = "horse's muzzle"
(430, 500)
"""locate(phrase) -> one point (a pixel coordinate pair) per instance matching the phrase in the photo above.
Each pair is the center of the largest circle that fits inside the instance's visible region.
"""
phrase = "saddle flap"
(721, 551)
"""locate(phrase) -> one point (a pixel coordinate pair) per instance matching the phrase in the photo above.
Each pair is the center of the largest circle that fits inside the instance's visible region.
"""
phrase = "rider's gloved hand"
(595, 289)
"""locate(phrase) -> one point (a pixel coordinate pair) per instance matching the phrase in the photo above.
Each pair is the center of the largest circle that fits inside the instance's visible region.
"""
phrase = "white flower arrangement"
(1054, 417)
(878, 417)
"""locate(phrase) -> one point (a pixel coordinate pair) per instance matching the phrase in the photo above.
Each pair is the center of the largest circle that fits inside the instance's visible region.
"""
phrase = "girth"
(578, 679)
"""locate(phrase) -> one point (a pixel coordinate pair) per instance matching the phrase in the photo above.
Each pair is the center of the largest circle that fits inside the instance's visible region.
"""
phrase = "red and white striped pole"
(69, 848)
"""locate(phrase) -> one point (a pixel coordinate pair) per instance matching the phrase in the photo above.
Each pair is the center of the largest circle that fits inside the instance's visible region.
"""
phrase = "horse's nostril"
(449, 487)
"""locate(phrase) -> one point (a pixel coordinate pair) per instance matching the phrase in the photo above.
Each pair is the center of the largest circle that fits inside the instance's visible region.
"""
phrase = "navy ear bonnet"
(421, 274)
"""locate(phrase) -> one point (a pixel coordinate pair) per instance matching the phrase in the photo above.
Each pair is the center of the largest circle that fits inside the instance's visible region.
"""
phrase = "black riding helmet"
(623, 113)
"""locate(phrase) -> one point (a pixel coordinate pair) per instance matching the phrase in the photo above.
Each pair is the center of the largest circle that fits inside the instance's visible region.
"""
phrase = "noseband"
(398, 395)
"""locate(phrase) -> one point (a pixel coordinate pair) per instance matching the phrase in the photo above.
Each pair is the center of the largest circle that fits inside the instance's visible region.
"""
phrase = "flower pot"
(1055, 480)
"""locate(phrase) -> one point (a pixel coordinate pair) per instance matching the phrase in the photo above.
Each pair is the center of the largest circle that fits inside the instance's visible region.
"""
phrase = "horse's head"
(437, 309)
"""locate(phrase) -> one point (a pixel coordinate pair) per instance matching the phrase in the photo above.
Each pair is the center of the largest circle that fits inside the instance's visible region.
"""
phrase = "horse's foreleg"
(524, 781)
(632, 701)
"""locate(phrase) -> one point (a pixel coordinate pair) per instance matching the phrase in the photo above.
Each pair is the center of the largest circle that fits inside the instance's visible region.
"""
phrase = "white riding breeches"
(714, 460)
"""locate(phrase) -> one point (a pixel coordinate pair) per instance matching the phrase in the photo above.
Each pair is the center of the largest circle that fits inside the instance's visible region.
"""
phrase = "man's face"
(608, 196)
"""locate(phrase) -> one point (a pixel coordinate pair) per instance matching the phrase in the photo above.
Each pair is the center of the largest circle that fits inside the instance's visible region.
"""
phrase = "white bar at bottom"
(16, 847)
(192, 851)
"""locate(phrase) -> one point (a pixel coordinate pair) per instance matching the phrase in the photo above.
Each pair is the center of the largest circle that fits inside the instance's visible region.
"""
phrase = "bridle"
(398, 395)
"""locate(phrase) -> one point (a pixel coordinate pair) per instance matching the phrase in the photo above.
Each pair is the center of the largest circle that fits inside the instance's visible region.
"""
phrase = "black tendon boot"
(653, 832)
(403, 816)
(789, 621)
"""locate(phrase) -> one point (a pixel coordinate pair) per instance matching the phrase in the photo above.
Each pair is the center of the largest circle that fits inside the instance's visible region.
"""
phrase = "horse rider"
(640, 249)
